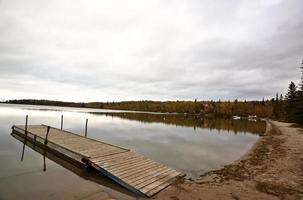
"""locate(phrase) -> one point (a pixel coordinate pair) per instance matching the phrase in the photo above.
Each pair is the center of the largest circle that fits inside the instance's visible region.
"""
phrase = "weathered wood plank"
(137, 169)
(131, 165)
(120, 162)
(88, 138)
(138, 173)
(146, 176)
(159, 182)
(100, 148)
(112, 156)
(104, 153)
(118, 159)
(142, 174)
(160, 187)
(152, 180)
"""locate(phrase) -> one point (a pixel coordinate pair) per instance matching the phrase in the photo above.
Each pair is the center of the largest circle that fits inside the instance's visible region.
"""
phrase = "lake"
(191, 144)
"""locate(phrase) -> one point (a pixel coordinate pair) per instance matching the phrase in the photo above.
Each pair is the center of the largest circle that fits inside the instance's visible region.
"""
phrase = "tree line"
(290, 108)
(211, 108)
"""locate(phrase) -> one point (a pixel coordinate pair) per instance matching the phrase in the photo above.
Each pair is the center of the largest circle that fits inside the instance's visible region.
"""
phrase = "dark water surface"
(187, 143)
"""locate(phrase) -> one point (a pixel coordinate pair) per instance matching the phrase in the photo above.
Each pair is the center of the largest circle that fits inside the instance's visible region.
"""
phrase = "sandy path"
(273, 169)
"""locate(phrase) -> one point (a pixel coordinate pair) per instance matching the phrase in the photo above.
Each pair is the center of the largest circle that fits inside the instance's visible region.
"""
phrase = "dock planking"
(135, 172)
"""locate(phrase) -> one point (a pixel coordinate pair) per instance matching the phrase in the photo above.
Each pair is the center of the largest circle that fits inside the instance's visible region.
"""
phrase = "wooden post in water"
(25, 137)
(44, 163)
(26, 120)
(86, 127)
(61, 122)
(44, 152)
(46, 136)
(35, 139)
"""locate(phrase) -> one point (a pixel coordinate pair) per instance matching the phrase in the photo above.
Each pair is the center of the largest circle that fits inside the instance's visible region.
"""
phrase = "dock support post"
(35, 139)
(25, 137)
(44, 163)
(46, 136)
(26, 120)
(61, 122)
(44, 152)
(86, 127)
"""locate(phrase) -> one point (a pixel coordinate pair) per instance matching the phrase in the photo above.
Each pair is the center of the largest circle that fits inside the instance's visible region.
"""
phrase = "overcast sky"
(156, 49)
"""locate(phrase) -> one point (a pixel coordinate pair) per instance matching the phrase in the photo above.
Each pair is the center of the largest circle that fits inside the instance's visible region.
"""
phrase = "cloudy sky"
(156, 49)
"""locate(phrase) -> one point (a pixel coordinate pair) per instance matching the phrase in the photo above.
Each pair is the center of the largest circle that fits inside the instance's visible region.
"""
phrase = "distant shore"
(272, 169)
(261, 109)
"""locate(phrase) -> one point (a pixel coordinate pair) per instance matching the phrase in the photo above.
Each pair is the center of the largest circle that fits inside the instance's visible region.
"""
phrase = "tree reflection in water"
(235, 126)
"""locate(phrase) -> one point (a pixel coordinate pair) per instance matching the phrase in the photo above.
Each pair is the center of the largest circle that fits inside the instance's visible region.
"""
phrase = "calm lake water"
(186, 143)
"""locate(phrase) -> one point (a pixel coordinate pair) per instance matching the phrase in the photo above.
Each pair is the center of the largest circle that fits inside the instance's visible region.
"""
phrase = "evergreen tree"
(276, 109)
(291, 98)
(281, 107)
(299, 102)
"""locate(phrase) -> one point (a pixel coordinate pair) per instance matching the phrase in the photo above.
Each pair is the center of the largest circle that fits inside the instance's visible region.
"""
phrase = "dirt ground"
(272, 169)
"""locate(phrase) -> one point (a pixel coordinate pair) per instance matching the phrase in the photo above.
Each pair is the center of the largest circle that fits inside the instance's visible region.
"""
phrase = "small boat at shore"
(252, 117)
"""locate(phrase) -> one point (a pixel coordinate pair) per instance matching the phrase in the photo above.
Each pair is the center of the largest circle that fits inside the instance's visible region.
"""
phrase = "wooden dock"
(138, 174)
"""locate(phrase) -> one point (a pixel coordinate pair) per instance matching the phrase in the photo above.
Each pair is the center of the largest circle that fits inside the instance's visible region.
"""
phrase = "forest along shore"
(271, 170)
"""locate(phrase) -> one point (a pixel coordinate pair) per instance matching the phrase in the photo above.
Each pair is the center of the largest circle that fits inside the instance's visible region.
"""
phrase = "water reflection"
(256, 126)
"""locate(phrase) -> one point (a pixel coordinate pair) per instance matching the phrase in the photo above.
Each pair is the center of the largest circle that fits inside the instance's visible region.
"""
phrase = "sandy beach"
(272, 169)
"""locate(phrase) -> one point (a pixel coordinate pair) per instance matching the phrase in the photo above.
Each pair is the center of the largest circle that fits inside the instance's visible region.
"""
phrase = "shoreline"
(245, 156)
(270, 169)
